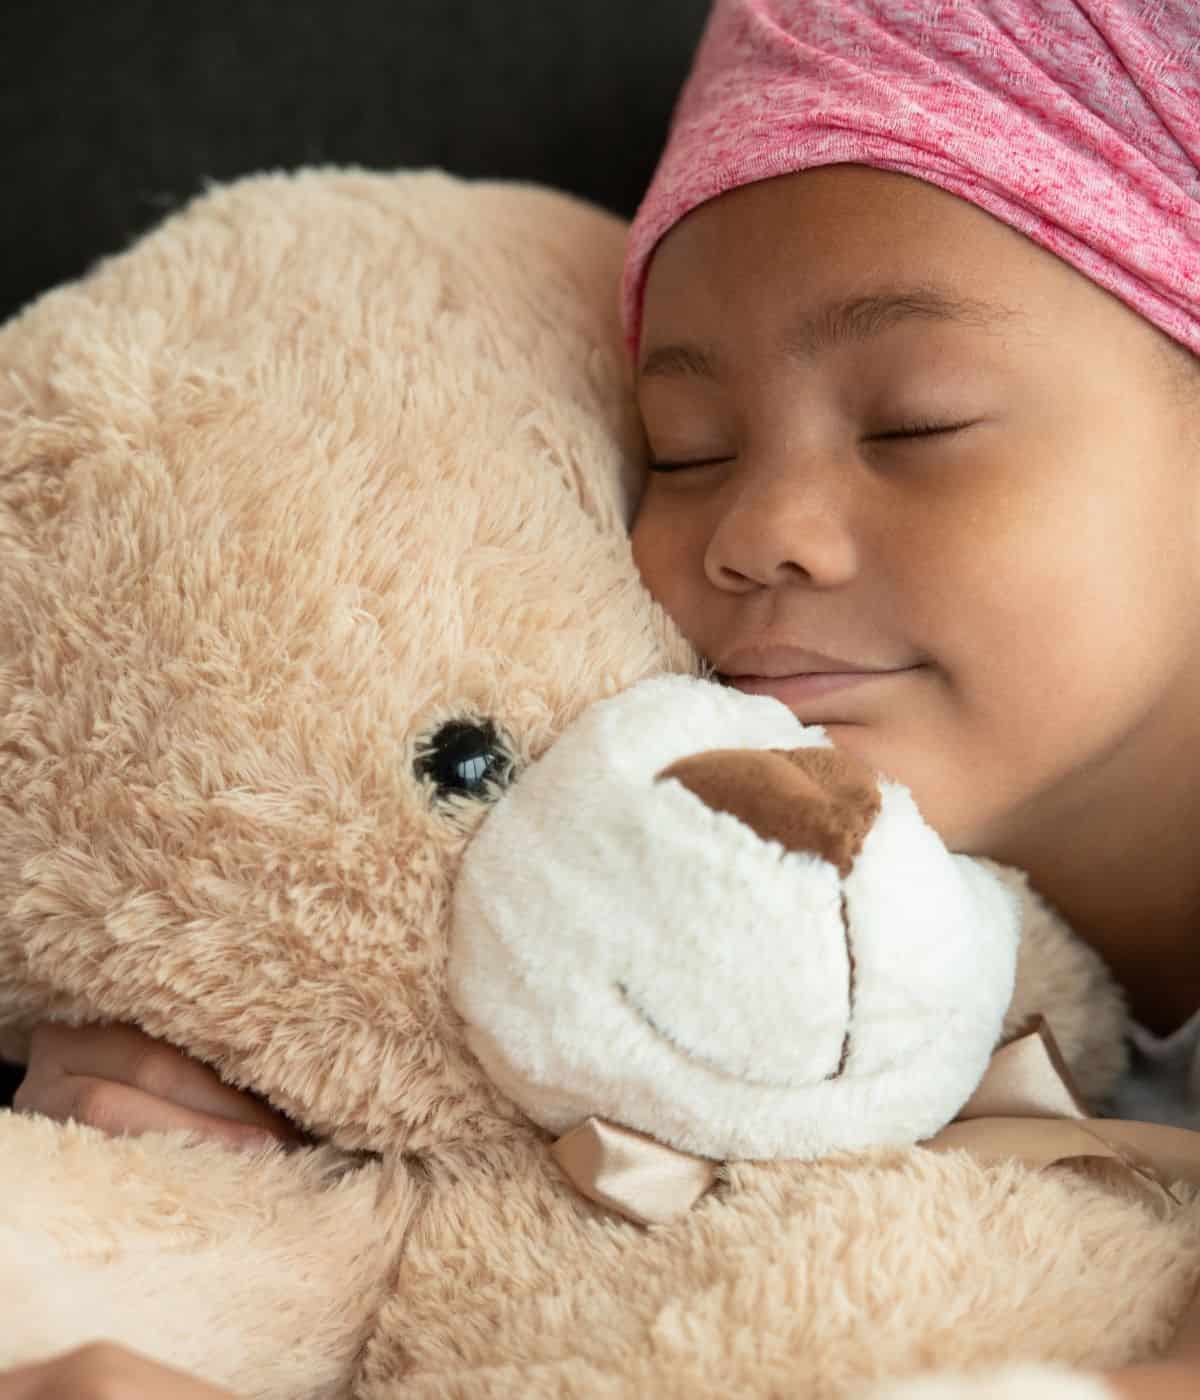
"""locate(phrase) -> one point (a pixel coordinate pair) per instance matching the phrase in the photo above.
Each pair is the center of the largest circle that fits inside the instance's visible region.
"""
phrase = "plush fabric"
(312, 539)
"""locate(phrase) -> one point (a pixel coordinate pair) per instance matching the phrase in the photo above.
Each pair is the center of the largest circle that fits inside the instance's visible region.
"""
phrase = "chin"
(865, 741)
(958, 831)
(936, 804)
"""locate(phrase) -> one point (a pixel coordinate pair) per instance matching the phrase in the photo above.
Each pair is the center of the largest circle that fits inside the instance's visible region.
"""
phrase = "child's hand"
(1160, 1380)
(103, 1372)
(121, 1081)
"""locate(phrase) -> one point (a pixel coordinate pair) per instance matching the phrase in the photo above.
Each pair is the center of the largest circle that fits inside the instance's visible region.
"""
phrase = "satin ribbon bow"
(641, 1179)
(1025, 1109)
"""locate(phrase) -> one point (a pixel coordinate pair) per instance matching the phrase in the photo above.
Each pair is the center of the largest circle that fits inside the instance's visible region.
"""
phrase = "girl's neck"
(1119, 858)
(1139, 912)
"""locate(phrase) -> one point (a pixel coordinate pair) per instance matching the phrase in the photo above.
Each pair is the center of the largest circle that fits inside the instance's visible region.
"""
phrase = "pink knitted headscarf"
(1076, 122)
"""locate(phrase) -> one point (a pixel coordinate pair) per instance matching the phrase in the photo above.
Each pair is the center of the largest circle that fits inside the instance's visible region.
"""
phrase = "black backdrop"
(113, 113)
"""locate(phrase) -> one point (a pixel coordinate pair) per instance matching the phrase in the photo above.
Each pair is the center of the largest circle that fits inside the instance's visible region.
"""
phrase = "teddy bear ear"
(816, 800)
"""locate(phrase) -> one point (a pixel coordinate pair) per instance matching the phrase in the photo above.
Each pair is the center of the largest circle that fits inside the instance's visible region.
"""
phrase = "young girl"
(915, 305)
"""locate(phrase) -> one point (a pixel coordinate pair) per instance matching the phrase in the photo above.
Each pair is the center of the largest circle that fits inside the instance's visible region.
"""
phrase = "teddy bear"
(313, 510)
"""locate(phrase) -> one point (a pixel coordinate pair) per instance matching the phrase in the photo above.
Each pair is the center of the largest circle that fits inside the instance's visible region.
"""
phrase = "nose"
(817, 800)
(782, 528)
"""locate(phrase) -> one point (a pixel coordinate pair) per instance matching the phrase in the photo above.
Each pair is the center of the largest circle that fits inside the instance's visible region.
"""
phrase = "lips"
(756, 663)
(799, 678)
(795, 691)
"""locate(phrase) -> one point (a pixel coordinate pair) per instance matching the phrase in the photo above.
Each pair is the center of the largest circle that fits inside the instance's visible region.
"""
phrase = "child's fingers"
(20, 1384)
(119, 1110)
(1163, 1380)
(100, 1074)
(25, 1383)
(127, 1055)
(102, 1372)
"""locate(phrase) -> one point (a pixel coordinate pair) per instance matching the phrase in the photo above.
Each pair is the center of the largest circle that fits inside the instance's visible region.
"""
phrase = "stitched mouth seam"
(851, 978)
(688, 1056)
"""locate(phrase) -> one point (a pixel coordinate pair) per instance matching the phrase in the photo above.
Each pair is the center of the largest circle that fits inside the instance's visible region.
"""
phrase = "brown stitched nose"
(817, 800)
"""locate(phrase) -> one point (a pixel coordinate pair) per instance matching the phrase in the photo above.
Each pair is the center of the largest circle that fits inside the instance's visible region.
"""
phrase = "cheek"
(1075, 583)
(660, 553)
(641, 537)
(1065, 629)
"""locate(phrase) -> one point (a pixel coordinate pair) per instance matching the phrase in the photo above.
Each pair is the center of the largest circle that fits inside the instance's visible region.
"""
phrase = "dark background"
(111, 114)
(114, 113)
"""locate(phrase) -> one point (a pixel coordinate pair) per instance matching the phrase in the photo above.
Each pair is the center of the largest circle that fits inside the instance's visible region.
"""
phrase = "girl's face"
(927, 485)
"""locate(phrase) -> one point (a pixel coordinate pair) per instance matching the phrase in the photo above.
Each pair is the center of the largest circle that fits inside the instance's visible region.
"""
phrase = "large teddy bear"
(312, 544)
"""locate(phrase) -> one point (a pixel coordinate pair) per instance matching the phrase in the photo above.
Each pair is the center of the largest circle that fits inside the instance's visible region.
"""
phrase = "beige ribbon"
(631, 1173)
(1025, 1109)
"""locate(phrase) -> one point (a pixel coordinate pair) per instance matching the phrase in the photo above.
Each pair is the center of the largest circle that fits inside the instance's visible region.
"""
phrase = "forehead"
(803, 246)
(797, 266)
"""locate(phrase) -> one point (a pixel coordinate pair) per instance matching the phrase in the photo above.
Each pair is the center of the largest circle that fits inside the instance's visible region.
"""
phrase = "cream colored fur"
(323, 464)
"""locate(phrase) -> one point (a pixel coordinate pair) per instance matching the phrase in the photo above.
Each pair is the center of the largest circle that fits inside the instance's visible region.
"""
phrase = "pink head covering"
(1077, 122)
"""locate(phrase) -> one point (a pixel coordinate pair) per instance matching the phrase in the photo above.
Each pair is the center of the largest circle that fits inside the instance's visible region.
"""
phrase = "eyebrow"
(838, 322)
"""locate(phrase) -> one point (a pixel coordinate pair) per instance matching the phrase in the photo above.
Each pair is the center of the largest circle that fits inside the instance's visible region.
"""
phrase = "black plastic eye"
(465, 758)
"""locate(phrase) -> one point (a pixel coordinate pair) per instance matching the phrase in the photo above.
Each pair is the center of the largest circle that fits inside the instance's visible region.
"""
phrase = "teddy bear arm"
(820, 1280)
(257, 1271)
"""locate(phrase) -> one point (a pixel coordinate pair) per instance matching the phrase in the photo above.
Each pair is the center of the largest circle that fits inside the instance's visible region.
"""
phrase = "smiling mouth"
(807, 686)
(694, 1058)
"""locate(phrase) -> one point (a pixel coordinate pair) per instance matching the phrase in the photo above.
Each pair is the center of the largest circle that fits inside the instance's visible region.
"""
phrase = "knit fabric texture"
(1076, 122)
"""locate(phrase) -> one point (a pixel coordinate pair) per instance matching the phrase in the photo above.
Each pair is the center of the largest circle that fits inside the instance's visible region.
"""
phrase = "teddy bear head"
(313, 513)
(741, 941)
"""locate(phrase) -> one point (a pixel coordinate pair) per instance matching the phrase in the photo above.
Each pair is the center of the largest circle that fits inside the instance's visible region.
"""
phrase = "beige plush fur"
(323, 464)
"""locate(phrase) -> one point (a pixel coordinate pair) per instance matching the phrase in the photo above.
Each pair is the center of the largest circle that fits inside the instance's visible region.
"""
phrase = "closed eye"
(688, 465)
(921, 430)
(906, 432)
